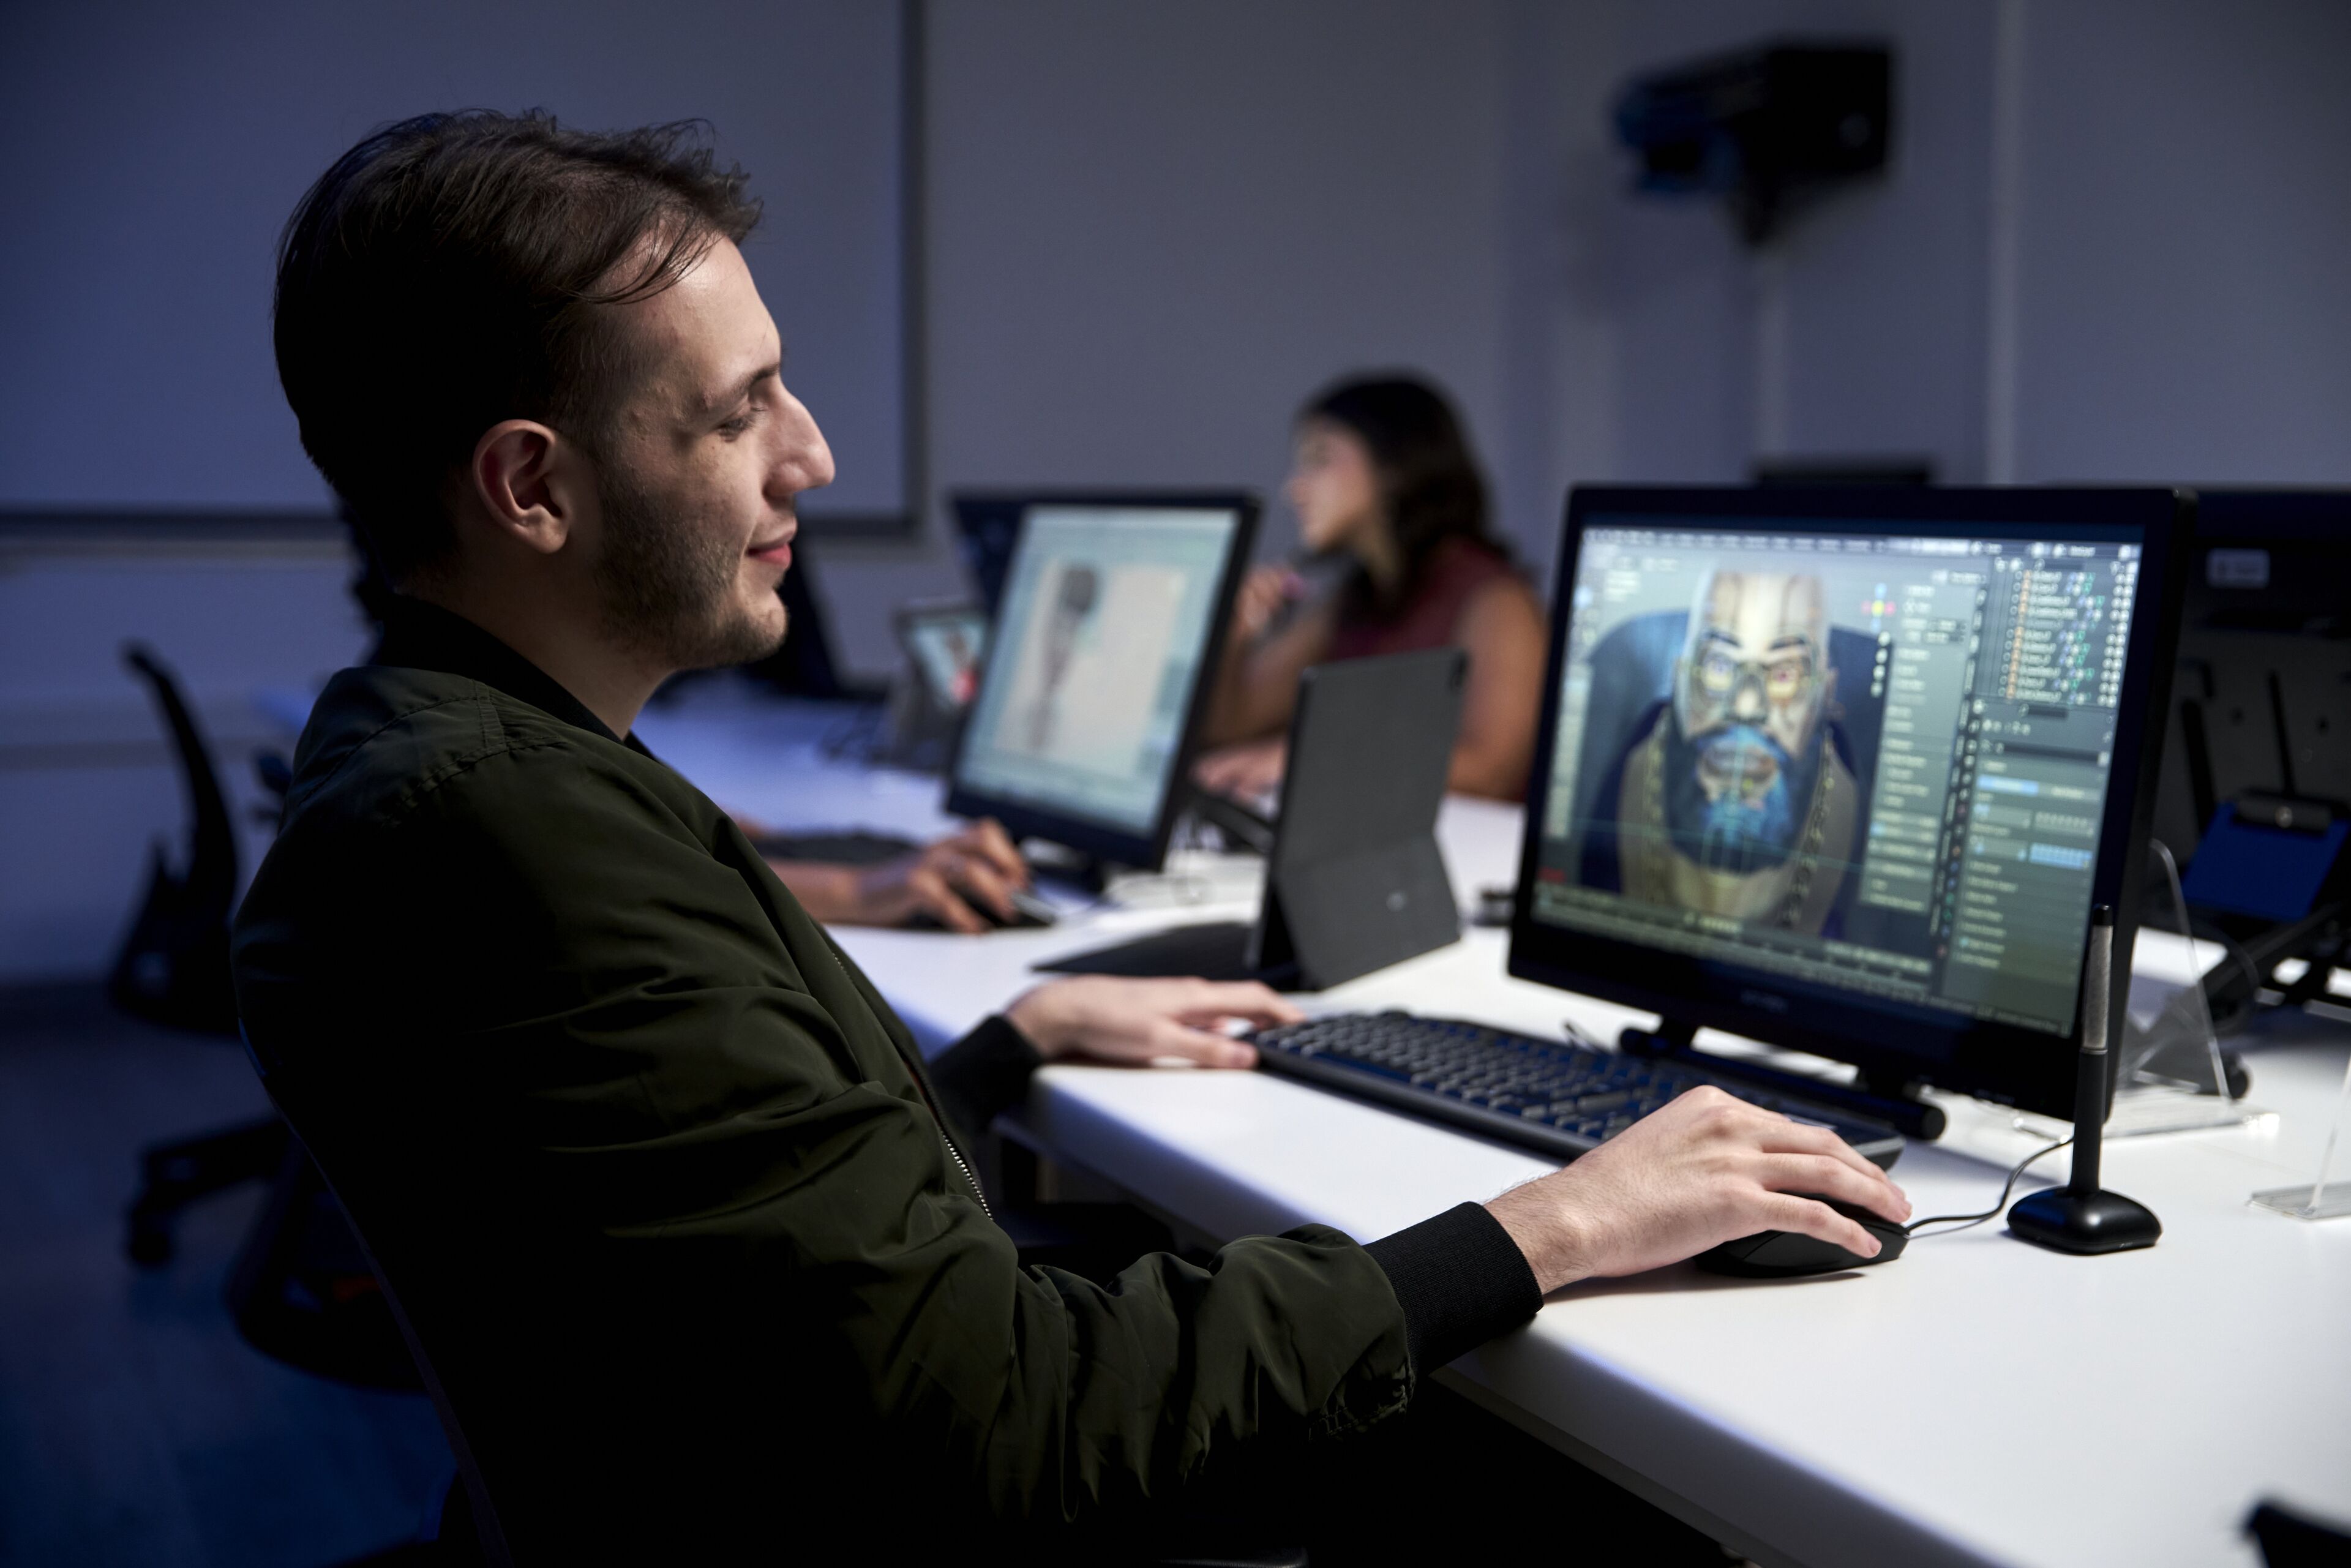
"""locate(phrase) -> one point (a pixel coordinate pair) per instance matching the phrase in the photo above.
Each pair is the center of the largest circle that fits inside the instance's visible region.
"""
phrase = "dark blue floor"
(135, 1426)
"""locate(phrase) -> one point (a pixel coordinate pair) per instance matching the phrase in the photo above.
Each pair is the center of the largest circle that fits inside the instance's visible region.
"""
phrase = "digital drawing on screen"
(1100, 641)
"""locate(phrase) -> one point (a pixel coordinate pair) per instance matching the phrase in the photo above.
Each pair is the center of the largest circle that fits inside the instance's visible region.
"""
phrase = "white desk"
(1978, 1401)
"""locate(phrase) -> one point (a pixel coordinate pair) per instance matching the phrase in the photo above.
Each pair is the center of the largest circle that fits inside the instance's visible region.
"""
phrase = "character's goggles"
(1781, 676)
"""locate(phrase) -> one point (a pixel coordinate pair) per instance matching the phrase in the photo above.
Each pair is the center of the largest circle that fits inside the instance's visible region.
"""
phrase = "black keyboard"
(1556, 1097)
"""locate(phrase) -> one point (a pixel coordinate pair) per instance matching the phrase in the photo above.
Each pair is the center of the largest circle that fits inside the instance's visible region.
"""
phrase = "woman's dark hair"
(1429, 485)
(444, 275)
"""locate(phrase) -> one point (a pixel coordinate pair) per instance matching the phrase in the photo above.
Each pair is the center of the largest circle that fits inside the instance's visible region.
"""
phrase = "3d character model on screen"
(1735, 799)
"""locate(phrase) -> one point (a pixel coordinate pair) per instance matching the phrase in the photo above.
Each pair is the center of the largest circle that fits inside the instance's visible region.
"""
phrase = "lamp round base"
(2084, 1222)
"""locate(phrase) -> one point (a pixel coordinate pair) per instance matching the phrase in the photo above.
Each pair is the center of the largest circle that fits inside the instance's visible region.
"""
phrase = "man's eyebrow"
(742, 389)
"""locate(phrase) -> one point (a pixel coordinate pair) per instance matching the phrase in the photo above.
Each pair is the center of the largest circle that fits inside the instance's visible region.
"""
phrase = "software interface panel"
(1101, 637)
(1878, 763)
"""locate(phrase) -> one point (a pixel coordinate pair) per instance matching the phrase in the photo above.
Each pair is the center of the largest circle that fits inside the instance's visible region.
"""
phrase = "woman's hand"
(1135, 1022)
(1248, 771)
(1264, 593)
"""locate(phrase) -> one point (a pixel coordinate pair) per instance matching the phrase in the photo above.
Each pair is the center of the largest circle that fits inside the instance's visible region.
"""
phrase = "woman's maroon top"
(1451, 576)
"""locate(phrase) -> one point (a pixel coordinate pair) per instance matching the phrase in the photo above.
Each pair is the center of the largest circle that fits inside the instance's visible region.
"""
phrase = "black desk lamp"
(2082, 1216)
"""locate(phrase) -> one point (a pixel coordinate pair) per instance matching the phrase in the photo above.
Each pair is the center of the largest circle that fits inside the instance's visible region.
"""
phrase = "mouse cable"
(1959, 1222)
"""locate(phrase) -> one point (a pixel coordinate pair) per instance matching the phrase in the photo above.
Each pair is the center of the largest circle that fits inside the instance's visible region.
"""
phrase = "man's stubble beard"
(666, 595)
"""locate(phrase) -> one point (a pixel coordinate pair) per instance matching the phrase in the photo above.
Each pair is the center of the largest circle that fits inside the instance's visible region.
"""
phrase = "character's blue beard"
(1730, 834)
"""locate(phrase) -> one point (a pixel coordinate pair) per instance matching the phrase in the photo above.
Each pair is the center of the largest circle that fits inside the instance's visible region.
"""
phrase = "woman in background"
(1385, 488)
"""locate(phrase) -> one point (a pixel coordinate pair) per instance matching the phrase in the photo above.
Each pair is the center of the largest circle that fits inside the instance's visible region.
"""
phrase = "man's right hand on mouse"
(1701, 1171)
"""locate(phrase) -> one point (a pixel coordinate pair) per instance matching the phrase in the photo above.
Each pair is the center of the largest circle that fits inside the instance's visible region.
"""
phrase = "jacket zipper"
(937, 1116)
(965, 1169)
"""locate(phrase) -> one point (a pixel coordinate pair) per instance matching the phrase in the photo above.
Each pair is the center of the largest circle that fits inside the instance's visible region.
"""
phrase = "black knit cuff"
(984, 1075)
(1460, 1280)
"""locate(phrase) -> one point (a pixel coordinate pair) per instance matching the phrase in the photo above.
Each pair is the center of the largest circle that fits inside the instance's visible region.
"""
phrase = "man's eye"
(740, 422)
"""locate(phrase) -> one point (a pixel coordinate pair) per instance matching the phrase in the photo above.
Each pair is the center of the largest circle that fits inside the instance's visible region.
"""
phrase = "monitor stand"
(1210, 950)
(1059, 862)
(1896, 1105)
(1260, 949)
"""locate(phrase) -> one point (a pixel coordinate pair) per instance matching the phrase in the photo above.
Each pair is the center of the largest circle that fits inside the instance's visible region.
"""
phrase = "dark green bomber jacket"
(669, 1197)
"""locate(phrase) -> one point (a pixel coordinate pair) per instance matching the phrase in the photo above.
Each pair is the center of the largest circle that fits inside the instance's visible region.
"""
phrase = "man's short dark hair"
(445, 274)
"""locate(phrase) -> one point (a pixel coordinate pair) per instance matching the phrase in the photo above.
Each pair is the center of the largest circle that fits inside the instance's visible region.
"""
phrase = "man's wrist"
(1033, 1013)
(1546, 1232)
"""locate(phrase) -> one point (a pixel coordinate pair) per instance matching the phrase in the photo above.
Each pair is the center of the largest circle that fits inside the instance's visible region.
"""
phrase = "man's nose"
(807, 456)
(1746, 699)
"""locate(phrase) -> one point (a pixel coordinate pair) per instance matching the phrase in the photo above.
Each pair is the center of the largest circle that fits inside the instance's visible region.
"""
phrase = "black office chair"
(301, 1291)
(304, 1291)
(173, 971)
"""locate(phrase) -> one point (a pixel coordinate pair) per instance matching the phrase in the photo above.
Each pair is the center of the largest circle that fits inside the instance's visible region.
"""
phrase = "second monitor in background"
(945, 647)
(1098, 663)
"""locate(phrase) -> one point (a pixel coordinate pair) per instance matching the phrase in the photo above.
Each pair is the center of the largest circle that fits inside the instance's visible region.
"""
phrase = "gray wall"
(2186, 242)
(1155, 229)
(156, 150)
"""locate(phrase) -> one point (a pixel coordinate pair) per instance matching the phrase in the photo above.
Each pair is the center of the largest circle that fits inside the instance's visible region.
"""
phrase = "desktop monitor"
(1846, 770)
(1113, 610)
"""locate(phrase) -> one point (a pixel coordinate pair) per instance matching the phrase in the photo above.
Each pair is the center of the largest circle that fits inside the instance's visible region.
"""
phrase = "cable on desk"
(1959, 1222)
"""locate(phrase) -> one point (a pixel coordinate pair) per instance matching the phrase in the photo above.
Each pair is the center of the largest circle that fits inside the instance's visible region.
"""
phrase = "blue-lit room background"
(1122, 245)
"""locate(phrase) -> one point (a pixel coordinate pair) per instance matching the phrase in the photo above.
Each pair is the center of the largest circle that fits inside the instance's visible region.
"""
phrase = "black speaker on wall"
(1768, 129)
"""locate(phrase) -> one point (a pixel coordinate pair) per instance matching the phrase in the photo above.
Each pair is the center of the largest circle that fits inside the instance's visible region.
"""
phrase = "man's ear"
(529, 482)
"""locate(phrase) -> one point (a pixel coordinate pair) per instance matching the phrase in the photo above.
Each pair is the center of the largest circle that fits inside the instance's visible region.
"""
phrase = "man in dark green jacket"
(682, 1221)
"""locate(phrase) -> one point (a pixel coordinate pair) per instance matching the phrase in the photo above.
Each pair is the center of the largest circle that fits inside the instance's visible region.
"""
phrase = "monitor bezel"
(2010, 1063)
(1103, 841)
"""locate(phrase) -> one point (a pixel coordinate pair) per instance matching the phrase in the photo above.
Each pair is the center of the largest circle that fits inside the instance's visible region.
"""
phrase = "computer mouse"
(1777, 1254)
(1029, 913)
